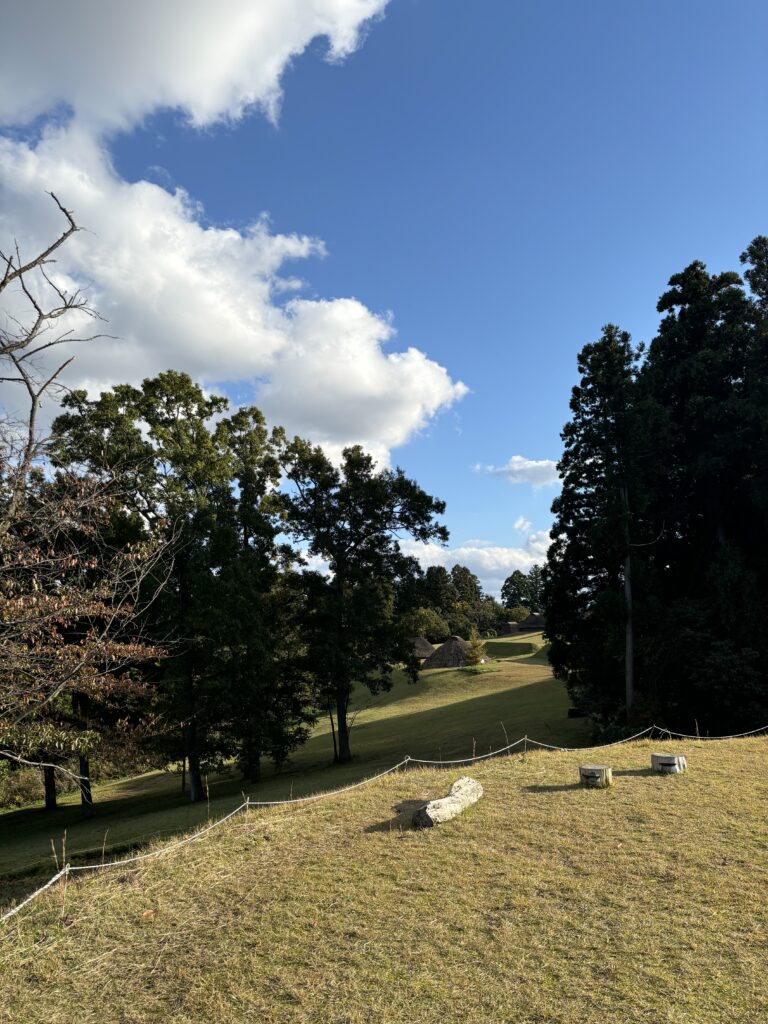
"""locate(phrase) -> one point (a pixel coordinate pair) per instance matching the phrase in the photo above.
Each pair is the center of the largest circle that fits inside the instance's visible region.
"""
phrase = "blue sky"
(499, 178)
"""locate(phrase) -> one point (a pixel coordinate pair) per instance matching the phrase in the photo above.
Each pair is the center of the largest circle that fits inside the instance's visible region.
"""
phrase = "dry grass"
(543, 904)
(447, 714)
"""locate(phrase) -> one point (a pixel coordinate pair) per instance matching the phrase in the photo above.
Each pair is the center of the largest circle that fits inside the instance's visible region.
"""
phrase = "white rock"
(462, 794)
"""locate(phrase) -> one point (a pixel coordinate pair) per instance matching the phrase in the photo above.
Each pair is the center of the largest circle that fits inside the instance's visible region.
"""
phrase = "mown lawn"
(543, 904)
(446, 714)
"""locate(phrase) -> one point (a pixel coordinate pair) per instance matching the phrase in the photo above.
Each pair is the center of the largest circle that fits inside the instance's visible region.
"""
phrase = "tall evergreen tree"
(705, 377)
(665, 488)
(588, 580)
(352, 517)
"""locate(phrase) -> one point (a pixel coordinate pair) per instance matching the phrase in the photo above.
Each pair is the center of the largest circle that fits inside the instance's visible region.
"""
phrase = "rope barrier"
(331, 792)
(162, 851)
(407, 760)
(51, 881)
(697, 736)
(468, 760)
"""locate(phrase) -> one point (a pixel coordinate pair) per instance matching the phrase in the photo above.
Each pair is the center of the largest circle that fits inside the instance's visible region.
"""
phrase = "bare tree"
(71, 593)
(24, 346)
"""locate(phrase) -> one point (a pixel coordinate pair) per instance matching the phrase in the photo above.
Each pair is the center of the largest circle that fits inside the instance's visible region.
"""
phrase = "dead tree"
(70, 597)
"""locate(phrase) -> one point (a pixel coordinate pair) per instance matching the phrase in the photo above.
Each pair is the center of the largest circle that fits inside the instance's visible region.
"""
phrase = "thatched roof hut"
(534, 623)
(422, 648)
(509, 628)
(452, 654)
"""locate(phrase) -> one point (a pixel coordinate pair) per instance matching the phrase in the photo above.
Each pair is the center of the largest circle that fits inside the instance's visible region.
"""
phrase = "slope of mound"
(543, 904)
(445, 715)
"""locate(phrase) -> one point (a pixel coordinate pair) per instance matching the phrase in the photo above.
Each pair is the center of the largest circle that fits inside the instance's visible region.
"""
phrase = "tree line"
(440, 602)
(656, 587)
(157, 600)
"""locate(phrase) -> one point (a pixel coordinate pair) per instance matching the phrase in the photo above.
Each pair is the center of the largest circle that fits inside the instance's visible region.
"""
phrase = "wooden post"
(668, 764)
(595, 776)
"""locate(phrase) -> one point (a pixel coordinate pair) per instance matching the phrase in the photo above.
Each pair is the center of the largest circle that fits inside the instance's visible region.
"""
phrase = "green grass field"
(446, 714)
(543, 904)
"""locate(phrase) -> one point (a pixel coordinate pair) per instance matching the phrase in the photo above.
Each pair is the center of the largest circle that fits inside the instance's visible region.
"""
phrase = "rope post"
(595, 776)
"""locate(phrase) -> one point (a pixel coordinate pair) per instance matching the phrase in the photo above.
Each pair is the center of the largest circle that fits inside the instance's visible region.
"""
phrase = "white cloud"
(214, 302)
(491, 563)
(334, 374)
(115, 63)
(523, 525)
(519, 470)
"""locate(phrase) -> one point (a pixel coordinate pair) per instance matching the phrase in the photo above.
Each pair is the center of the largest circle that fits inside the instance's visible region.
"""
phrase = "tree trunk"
(86, 796)
(49, 782)
(333, 735)
(189, 730)
(629, 628)
(196, 790)
(184, 773)
(344, 753)
(252, 759)
(629, 636)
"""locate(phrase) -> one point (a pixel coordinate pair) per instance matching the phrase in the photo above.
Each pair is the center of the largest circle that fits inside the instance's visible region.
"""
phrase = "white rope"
(330, 792)
(599, 746)
(169, 848)
(697, 736)
(163, 849)
(32, 895)
(469, 760)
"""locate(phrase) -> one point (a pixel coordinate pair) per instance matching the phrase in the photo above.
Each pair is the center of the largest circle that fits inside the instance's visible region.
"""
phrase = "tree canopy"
(656, 590)
(352, 517)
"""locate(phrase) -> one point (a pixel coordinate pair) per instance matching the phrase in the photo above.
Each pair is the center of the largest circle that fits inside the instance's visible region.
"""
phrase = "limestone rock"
(462, 794)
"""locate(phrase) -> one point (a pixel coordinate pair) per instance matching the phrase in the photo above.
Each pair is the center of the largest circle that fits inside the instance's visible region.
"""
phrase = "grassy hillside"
(543, 904)
(446, 714)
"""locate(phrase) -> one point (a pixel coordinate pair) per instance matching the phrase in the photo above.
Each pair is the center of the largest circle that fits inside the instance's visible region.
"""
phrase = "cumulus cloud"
(334, 373)
(519, 470)
(215, 302)
(523, 525)
(491, 563)
(115, 63)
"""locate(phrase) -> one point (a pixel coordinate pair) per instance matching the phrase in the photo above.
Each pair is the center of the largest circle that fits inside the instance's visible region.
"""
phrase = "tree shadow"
(403, 817)
(568, 788)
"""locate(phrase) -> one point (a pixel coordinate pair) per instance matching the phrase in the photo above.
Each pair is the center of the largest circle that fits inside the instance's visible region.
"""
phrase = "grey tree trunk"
(86, 796)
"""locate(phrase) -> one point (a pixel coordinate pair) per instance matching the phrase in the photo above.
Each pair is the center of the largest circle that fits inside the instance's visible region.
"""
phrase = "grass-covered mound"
(544, 903)
(448, 713)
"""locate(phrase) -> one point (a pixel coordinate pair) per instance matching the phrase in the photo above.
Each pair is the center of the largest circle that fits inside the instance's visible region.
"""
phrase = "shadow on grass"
(634, 772)
(403, 817)
(150, 808)
(569, 788)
